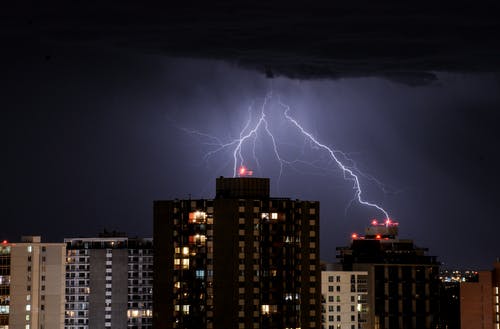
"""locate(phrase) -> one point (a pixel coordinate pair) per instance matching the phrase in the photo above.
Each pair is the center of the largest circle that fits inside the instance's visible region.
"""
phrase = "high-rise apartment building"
(403, 284)
(32, 284)
(241, 260)
(479, 301)
(344, 299)
(109, 282)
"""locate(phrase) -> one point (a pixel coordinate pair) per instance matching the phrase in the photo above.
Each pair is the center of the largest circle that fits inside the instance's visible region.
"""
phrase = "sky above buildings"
(107, 124)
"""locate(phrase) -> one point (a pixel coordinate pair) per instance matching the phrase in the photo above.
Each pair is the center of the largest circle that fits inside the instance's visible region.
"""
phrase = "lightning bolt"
(348, 172)
(250, 133)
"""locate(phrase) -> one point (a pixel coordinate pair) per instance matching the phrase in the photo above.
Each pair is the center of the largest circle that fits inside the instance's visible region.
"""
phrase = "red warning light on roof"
(4, 241)
(374, 222)
(243, 171)
(378, 236)
(354, 236)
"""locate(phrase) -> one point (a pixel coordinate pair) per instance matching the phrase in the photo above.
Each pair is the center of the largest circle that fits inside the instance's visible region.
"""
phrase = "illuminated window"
(133, 313)
(264, 309)
(197, 239)
(185, 309)
(4, 309)
(185, 250)
(200, 274)
(274, 215)
(30, 248)
(185, 263)
(198, 217)
(28, 307)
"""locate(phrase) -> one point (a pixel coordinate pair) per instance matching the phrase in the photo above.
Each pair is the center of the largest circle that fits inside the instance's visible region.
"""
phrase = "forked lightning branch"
(258, 124)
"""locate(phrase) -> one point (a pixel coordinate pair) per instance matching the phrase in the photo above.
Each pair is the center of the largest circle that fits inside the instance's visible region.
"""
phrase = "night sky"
(98, 101)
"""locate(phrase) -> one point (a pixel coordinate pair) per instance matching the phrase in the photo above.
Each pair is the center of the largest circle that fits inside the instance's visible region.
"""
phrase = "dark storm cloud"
(405, 42)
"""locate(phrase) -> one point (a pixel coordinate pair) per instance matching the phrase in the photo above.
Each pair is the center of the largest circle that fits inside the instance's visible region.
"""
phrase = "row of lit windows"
(136, 313)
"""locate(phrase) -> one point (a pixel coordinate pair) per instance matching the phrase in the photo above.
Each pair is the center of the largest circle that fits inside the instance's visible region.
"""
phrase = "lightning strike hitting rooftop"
(249, 133)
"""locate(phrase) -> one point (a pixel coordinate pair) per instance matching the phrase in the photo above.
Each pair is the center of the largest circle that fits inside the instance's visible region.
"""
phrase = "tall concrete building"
(479, 301)
(109, 282)
(241, 260)
(344, 298)
(403, 285)
(32, 284)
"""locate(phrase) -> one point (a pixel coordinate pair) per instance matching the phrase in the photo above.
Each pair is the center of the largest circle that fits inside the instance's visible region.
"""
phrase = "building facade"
(241, 260)
(108, 282)
(344, 299)
(479, 301)
(32, 284)
(403, 285)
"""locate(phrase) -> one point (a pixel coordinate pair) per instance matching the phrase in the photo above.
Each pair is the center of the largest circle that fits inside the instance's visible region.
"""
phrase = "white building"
(344, 299)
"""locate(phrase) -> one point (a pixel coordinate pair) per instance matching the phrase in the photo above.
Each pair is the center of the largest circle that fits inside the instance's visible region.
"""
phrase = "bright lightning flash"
(250, 132)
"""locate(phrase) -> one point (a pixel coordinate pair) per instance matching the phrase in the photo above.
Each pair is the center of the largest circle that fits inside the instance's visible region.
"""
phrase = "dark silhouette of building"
(449, 307)
(241, 260)
(403, 285)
